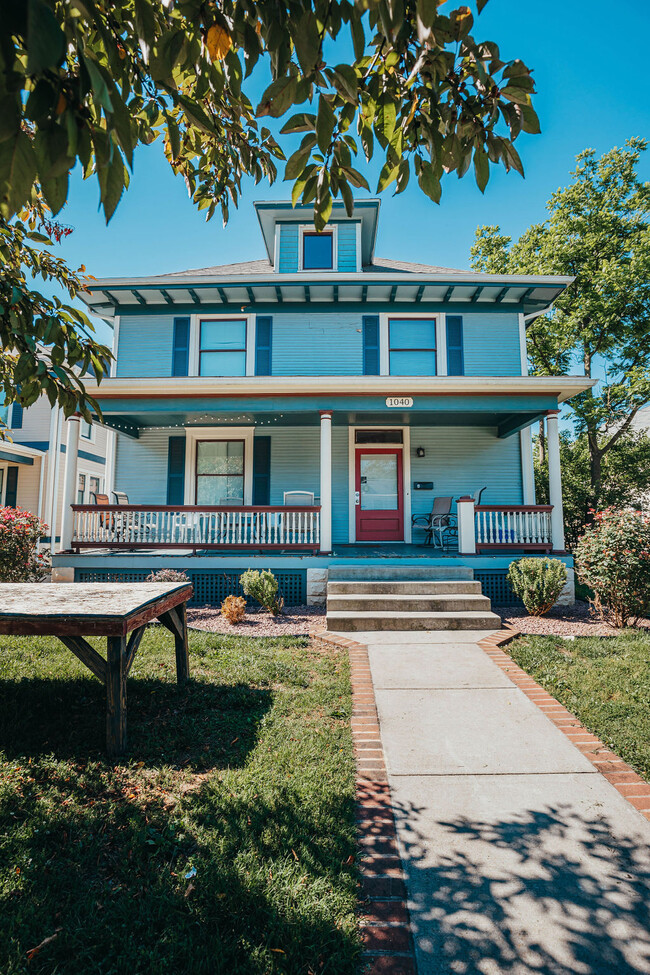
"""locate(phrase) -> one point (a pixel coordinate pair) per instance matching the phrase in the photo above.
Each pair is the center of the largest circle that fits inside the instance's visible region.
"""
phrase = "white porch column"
(466, 526)
(555, 480)
(109, 479)
(527, 470)
(325, 481)
(69, 480)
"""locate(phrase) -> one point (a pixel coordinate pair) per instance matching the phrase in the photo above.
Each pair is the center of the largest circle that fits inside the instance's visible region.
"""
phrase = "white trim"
(441, 345)
(218, 433)
(405, 447)
(195, 343)
(527, 471)
(276, 248)
(358, 245)
(384, 339)
(330, 228)
(115, 348)
(90, 439)
(88, 474)
(523, 357)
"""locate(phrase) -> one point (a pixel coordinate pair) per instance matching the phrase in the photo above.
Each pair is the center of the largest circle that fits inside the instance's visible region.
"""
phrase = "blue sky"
(590, 68)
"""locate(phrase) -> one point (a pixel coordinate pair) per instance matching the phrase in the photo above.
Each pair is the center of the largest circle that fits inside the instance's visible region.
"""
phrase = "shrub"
(613, 559)
(234, 609)
(263, 586)
(168, 575)
(20, 531)
(538, 583)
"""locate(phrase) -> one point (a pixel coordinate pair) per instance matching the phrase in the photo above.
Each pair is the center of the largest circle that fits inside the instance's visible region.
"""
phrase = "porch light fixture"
(420, 451)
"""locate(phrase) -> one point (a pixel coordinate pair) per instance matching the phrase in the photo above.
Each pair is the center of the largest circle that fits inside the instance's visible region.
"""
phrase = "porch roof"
(507, 403)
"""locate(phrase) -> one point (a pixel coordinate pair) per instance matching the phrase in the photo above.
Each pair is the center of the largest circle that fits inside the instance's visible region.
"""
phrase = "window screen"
(412, 346)
(222, 349)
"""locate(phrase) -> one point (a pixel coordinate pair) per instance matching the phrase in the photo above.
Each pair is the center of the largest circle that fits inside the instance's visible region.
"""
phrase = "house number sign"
(401, 402)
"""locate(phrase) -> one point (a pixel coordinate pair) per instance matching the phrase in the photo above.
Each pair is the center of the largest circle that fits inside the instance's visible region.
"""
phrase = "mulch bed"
(295, 621)
(567, 621)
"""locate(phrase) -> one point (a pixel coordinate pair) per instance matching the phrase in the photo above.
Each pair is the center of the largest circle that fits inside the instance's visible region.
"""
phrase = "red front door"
(379, 494)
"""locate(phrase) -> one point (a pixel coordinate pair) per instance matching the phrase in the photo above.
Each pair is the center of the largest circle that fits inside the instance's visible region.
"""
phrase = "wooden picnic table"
(119, 611)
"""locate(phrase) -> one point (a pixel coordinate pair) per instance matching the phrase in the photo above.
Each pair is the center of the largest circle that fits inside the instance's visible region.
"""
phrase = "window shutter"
(11, 493)
(16, 416)
(263, 336)
(176, 471)
(181, 347)
(455, 361)
(262, 470)
(371, 345)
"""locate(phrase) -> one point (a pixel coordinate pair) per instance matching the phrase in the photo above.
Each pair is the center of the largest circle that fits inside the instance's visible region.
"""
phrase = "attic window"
(317, 251)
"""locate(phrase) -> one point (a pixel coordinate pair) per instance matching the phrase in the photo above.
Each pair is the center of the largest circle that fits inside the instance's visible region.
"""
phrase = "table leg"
(116, 696)
(176, 622)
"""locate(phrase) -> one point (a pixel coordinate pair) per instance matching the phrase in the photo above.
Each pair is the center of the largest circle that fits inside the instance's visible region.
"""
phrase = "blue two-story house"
(312, 409)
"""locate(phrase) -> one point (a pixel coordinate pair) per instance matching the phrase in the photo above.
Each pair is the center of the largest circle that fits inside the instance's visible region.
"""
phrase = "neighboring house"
(325, 376)
(32, 468)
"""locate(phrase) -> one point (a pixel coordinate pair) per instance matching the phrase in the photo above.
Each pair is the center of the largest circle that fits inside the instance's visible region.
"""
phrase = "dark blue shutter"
(262, 470)
(176, 471)
(263, 338)
(16, 416)
(371, 345)
(455, 361)
(181, 347)
(11, 493)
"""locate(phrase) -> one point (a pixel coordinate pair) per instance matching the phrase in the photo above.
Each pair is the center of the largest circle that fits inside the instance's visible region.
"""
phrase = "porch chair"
(478, 494)
(120, 497)
(100, 499)
(437, 523)
(106, 521)
(299, 498)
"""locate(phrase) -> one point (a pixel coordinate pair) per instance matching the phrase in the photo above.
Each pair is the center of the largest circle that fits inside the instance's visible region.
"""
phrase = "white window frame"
(308, 228)
(90, 439)
(195, 341)
(441, 338)
(406, 475)
(88, 474)
(246, 434)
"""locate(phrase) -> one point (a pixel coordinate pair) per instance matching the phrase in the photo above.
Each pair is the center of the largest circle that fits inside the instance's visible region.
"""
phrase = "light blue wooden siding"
(460, 460)
(312, 343)
(145, 345)
(490, 342)
(288, 257)
(347, 246)
(141, 466)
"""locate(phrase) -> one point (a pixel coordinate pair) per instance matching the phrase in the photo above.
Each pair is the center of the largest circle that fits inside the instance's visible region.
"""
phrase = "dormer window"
(317, 251)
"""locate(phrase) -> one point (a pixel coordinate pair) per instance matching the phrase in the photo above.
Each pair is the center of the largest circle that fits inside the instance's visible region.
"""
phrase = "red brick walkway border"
(383, 914)
(617, 772)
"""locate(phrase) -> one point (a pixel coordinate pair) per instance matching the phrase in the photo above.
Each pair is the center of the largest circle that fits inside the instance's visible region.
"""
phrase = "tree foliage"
(625, 479)
(597, 232)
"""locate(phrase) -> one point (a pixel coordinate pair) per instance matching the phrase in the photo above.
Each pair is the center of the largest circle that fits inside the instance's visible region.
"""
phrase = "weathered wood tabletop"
(114, 610)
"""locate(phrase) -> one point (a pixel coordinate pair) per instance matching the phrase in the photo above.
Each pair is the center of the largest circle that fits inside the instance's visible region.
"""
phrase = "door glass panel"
(378, 487)
(220, 472)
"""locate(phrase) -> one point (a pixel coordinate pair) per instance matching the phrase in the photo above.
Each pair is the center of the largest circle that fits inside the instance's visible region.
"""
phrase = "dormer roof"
(365, 211)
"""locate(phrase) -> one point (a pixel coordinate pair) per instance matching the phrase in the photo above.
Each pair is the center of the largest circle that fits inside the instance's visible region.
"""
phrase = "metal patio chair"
(120, 497)
(437, 523)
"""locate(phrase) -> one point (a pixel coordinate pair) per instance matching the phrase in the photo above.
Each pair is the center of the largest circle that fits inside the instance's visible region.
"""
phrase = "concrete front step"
(394, 573)
(404, 603)
(409, 588)
(374, 620)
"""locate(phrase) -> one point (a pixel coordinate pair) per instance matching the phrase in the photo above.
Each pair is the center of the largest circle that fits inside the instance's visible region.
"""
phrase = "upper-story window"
(85, 430)
(412, 346)
(222, 347)
(317, 251)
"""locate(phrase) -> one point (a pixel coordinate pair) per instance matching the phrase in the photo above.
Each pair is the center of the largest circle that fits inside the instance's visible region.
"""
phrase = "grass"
(224, 842)
(604, 681)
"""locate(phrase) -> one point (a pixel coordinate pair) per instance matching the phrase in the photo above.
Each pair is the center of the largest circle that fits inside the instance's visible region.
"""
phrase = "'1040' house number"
(401, 402)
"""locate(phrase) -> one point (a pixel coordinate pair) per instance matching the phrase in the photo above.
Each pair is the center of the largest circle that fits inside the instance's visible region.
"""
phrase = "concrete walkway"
(521, 858)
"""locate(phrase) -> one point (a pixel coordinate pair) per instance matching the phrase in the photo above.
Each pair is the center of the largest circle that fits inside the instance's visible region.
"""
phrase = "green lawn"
(223, 843)
(604, 681)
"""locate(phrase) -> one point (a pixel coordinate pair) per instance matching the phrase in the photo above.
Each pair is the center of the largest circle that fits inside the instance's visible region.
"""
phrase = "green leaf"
(99, 86)
(17, 173)
(9, 116)
(480, 4)
(387, 175)
(429, 182)
(426, 11)
(344, 78)
(530, 121)
(55, 190)
(325, 122)
(302, 122)
(481, 168)
(278, 97)
(355, 177)
(296, 163)
(306, 39)
(358, 37)
(46, 41)
(195, 114)
(112, 179)
(384, 124)
(346, 194)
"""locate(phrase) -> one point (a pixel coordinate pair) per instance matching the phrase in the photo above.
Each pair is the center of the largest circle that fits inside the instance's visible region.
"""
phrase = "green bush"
(613, 559)
(20, 532)
(538, 583)
(263, 586)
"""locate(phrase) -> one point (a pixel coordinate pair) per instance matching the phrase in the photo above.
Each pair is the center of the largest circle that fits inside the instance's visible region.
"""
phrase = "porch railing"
(136, 526)
(526, 526)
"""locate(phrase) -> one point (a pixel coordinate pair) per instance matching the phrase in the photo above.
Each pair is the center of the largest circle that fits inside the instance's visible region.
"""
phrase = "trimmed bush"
(168, 575)
(234, 609)
(20, 531)
(538, 583)
(613, 559)
(263, 586)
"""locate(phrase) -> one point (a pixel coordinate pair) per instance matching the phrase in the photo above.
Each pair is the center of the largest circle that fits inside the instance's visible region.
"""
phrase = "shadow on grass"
(200, 725)
(549, 891)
